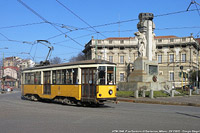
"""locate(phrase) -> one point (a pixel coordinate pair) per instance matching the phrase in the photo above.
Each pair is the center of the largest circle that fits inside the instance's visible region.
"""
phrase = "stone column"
(149, 39)
(143, 93)
(172, 93)
(136, 94)
(190, 92)
(151, 94)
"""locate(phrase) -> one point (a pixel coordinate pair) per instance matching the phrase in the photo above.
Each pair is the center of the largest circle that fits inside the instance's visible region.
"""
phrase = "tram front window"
(101, 76)
(110, 75)
(106, 75)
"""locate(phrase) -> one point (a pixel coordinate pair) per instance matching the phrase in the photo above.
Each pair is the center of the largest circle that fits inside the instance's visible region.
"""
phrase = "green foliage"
(125, 93)
(192, 77)
(157, 94)
(147, 93)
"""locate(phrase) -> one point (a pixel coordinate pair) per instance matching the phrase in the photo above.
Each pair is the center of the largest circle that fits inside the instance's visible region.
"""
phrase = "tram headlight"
(110, 92)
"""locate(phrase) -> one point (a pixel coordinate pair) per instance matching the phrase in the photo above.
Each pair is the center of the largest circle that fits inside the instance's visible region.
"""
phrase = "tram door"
(88, 83)
(47, 83)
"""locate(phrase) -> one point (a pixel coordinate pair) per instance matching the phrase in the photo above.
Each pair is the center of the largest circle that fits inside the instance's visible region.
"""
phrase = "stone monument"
(146, 70)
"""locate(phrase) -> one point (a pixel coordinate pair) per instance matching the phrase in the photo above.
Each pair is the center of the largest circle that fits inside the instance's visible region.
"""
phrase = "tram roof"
(84, 62)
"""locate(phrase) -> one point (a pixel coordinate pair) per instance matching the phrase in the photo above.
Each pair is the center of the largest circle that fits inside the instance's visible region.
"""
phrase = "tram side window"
(75, 74)
(102, 75)
(59, 77)
(69, 76)
(54, 77)
(110, 75)
(29, 78)
(37, 78)
(63, 76)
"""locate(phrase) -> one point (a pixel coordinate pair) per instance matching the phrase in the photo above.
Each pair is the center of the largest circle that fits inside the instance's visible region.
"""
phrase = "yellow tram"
(82, 82)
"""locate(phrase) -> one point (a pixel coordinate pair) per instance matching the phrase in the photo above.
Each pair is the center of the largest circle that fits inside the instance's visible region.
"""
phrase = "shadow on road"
(194, 116)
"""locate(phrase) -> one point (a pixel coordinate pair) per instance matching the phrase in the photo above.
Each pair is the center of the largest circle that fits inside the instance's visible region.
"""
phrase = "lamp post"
(197, 74)
(181, 67)
(2, 77)
(197, 59)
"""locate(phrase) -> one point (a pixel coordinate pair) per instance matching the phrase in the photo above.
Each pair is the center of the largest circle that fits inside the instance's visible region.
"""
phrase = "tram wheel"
(67, 101)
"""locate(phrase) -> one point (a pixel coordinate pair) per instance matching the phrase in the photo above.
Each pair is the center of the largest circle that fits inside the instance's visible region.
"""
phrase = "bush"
(147, 93)
(125, 93)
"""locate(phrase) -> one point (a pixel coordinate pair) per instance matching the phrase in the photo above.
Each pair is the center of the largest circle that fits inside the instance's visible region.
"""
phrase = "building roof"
(170, 36)
(198, 39)
(119, 38)
(11, 58)
(12, 67)
(127, 38)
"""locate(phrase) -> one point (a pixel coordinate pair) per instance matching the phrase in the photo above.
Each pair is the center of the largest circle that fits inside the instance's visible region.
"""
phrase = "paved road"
(21, 116)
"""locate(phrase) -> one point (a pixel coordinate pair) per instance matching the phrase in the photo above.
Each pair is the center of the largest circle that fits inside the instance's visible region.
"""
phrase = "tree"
(192, 77)
(55, 60)
(79, 57)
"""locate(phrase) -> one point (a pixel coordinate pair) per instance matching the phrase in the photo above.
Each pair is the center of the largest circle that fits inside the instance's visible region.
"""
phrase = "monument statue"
(141, 39)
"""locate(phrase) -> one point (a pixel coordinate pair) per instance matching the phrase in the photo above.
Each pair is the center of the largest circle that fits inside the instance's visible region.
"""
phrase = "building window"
(121, 59)
(183, 58)
(121, 41)
(99, 56)
(111, 58)
(121, 77)
(159, 40)
(171, 76)
(172, 40)
(110, 41)
(159, 58)
(121, 48)
(183, 39)
(171, 58)
(110, 48)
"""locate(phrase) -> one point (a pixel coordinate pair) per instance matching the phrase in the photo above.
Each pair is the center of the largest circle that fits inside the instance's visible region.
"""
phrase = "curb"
(158, 102)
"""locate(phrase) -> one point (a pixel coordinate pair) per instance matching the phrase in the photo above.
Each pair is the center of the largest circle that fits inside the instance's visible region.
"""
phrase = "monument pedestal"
(145, 75)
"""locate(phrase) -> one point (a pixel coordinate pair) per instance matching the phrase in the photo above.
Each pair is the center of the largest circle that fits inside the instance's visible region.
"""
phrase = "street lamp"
(2, 76)
(181, 67)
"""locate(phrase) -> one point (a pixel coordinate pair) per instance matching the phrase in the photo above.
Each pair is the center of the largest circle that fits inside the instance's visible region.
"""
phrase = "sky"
(70, 24)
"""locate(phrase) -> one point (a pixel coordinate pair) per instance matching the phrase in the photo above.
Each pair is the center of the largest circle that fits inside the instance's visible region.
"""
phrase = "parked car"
(8, 88)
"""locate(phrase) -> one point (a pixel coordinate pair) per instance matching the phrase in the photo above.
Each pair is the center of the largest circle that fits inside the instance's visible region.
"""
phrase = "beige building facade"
(171, 53)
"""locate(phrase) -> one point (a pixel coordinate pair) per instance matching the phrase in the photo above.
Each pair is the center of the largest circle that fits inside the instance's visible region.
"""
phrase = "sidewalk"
(178, 100)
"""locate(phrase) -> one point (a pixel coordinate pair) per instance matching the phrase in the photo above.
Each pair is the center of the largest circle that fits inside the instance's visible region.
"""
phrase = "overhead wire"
(194, 2)
(76, 38)
(80, 18)
(5, 37)
(45, 20)
(130, 20)
(21, 25)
